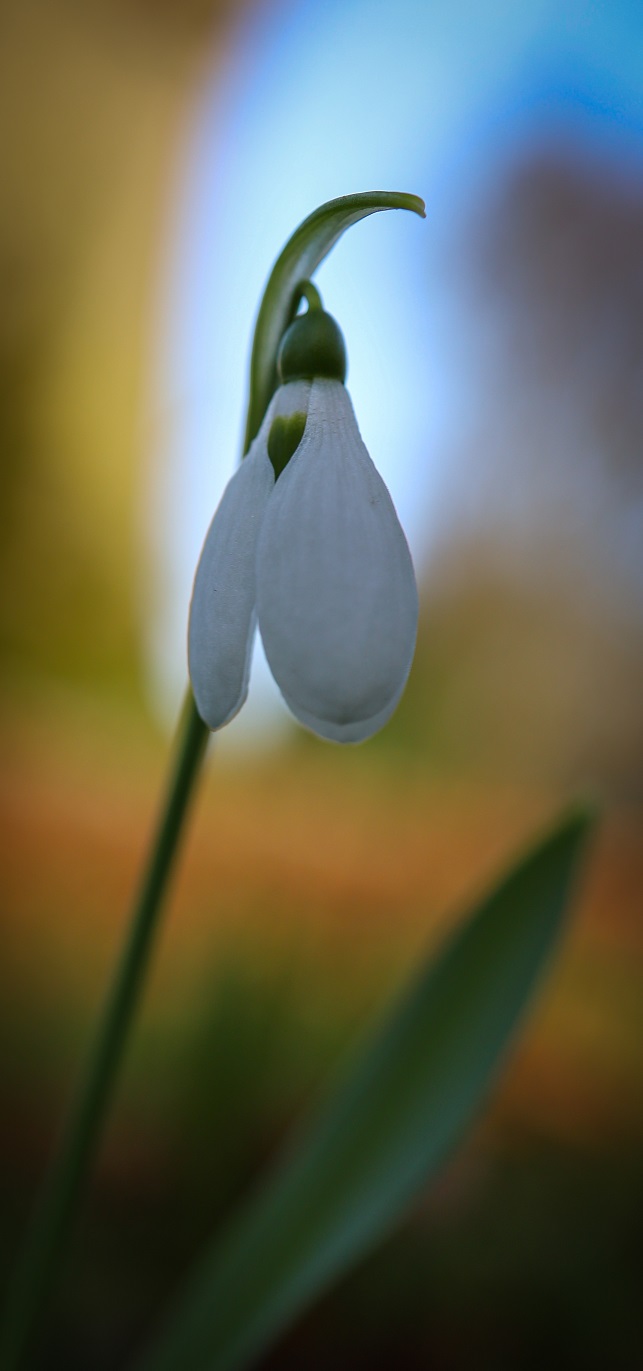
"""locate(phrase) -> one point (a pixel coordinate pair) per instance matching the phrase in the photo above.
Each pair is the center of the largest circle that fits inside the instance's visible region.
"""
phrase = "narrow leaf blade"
(400, 1109)
(309, 244)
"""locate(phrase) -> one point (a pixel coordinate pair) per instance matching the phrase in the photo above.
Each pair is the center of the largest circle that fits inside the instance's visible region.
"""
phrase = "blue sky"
(316, 101)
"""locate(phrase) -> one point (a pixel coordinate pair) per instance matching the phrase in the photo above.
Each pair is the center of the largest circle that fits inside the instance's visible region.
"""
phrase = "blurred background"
(155, 157)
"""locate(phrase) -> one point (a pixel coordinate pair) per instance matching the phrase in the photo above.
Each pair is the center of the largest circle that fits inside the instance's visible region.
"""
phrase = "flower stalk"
(47, 1238)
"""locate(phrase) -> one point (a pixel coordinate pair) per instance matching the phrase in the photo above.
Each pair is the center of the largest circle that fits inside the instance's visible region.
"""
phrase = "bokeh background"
(155, 157)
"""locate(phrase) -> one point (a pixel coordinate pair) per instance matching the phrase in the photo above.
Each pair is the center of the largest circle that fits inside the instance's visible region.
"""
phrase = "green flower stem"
(310, 293)
(47, 1238)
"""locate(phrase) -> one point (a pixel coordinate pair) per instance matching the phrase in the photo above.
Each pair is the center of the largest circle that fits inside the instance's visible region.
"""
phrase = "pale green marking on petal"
(285, 435)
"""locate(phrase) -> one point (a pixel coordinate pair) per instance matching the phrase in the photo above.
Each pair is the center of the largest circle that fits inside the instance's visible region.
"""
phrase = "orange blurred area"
(309, 885)
(328, 873)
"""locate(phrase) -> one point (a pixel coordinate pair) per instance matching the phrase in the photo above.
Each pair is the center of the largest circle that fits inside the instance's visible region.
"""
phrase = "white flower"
(319, 558)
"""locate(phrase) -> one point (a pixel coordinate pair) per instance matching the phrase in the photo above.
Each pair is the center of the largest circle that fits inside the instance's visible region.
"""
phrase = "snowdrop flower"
(307, 543)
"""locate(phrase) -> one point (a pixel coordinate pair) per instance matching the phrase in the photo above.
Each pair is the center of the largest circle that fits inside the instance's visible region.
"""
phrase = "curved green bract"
(399, 1110)
(310, 243)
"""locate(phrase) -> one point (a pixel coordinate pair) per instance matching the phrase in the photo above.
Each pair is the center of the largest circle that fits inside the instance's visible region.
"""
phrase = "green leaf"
(399, 1111)
(310, 243)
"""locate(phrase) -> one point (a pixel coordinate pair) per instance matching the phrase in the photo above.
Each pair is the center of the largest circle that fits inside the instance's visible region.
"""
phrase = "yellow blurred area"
(94, 102)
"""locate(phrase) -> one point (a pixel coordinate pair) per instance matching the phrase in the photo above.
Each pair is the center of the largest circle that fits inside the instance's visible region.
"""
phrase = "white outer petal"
(222, 611)
(336, 595)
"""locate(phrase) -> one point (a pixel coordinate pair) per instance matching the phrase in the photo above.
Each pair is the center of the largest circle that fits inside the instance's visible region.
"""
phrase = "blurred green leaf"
(310, 243)
(388, 1126)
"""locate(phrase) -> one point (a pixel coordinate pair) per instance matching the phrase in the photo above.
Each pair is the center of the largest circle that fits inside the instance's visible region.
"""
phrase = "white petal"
(222, 612)
(336, 595)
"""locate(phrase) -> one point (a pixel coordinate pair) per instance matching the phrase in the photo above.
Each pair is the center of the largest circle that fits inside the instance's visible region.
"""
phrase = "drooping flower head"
(307, 543)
